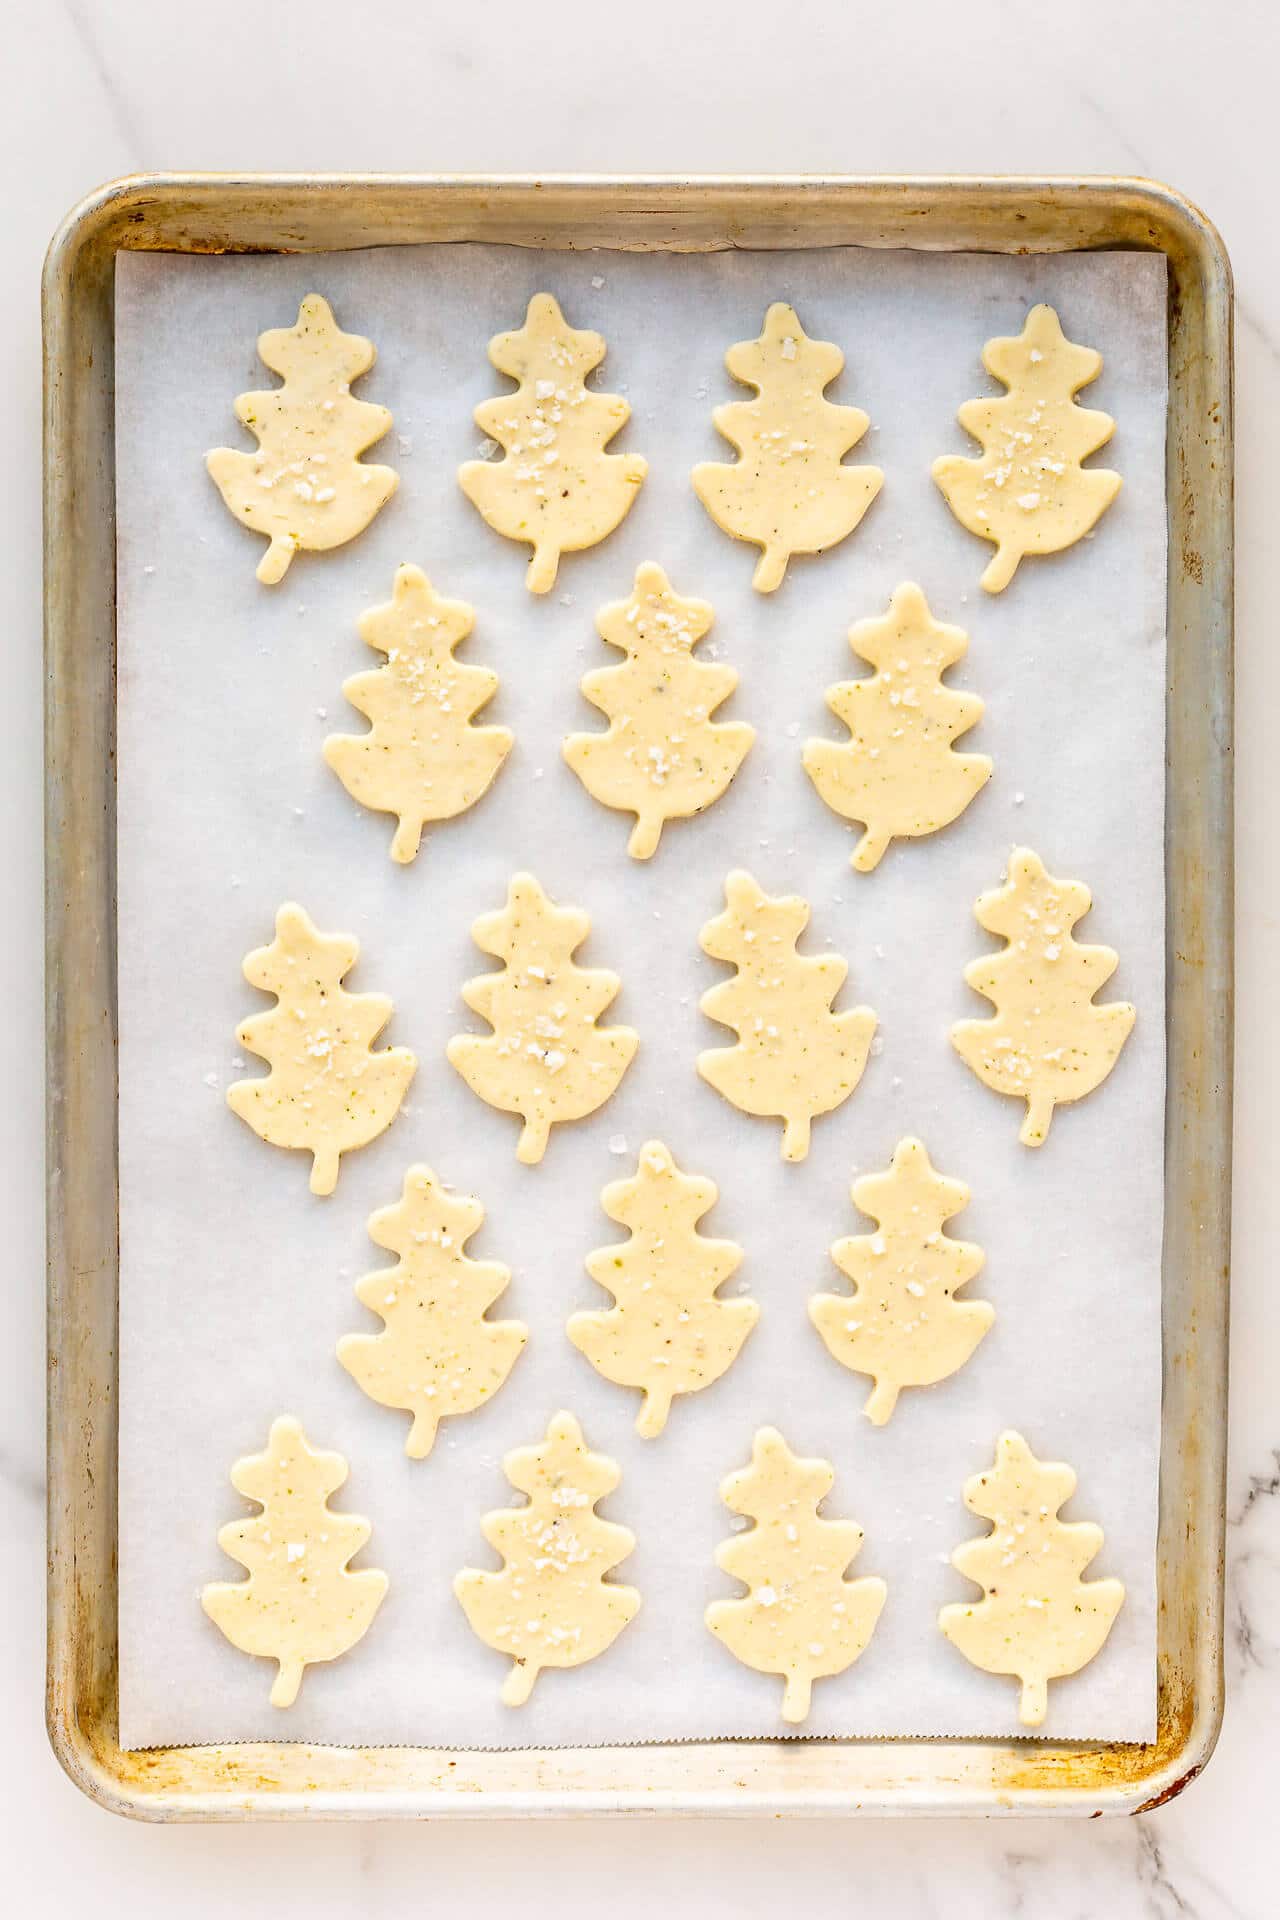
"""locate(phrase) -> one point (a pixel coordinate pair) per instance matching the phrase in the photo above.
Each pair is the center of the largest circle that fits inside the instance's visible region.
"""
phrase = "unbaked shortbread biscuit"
(1029, 492)
(663, 757)
(301, 1603)
(668, 1333)
(422, 759)
(556, 488)
(1048, 1044)
(897, 773)
(1039, 1619)
(546, 1060)
(437, 1355)
(551, 1605)
(788, 492)
(327, 1091)
(902, 1324)
(800, 1618)
(306, 486)
(795, 1057)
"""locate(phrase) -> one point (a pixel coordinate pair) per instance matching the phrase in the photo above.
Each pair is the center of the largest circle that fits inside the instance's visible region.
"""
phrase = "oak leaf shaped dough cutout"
(801, 1618)
(667, 1334)
(422, 759)
(552, 1604)
(897, 773)
(795, 1058)
(902, 1324)
(301, 1603)
(555, 487)
(306, 486)
(546, 1059)
(437, 1355)
(787, 492)
(327, 1091)
(1039, 1621)
(1047, 1044)
(1029, 494)
(662, 757)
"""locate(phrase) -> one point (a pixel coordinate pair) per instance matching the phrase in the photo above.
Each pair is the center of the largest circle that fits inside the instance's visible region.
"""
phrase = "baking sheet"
(236, 1282)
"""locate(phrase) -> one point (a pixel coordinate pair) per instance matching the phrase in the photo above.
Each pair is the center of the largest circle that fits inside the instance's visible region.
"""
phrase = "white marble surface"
(96, 88)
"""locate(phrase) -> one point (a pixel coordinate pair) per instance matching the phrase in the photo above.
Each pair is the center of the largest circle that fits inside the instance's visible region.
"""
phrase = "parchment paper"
(236, 1282)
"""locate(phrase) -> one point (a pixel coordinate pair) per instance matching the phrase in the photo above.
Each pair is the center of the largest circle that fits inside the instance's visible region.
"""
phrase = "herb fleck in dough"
(788, 492)
(902, 1324)
(551, 1605)
(800, 1618)
(663, 757)
(1029, 492)
(306, 486)
(546, 1060)
(897, 773)
(437, 1355)
(1048, 1044)
(1039, 1620)
(668, 1333)
(301, 1603)
(422, 759)
(327, 1091)
(795, 1058)
(556, 487)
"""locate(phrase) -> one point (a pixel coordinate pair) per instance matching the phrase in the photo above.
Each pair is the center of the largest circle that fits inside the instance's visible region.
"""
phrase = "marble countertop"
(97, 88)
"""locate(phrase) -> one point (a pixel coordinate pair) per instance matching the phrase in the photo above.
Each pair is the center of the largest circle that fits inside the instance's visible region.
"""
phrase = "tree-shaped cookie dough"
(897, 774)
(546, 1060)
(668, 1333)
(301, 1603)
(556, 487)
(663, 757)
(1029, 493)
(437, 1354)
(306, 486)
(327, 1091)
(787, 492)
(422, 758)
(902, 1324)
(1048, 1044)
(795, 1057)
(800, 1618)
(1040, 1620)
(551, 1605)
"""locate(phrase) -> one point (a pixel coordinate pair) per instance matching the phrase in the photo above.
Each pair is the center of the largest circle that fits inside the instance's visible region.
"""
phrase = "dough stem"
(795, 1137)
(770, 569)
(645, 835)
(1001, 569)
(422, 1435)
(541, 576)
(408, 838)
(518, 1684)
(274, 563)
(533, 1140)
(1036, 1125)
(324, 1170)
(284, 1690)
(795, 1700)
(870, 850)
(1034, 1700)
(883, 1400)
(652, 1417)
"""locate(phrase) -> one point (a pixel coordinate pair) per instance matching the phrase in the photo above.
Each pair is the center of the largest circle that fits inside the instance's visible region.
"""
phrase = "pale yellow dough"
(306, 486)
(897, 773)
(668, 1333)
(551, 1605)
(422, 759)
(663, 757)
(1029, 492)
(788, 492)
(437, 1355)
(902, 1324)
(301, 1604)
(1039, 1620)
(795, 1058)
(800, 1618)
(546, 1060)
(327, 1091)
(556, 487)
(1048, 1044)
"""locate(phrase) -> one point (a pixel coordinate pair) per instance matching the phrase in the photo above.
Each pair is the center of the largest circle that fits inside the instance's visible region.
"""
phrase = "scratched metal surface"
(225, 213)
